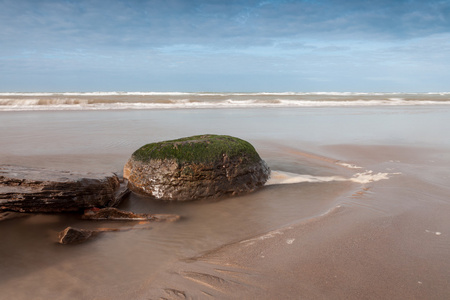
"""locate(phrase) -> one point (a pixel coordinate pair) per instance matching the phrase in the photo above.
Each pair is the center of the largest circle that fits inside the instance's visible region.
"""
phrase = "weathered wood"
(24, 189)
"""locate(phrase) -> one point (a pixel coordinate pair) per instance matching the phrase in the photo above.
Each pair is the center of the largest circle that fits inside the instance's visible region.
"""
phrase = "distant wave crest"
(181, 100)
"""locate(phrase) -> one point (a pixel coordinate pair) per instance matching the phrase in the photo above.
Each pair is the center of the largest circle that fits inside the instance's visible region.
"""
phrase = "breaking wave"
(181, 100)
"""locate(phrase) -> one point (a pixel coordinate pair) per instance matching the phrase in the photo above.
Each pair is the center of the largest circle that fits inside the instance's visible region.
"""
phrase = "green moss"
(198, 149)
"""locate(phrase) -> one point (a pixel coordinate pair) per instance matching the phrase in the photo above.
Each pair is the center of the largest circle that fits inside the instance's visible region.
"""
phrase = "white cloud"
(343, 44)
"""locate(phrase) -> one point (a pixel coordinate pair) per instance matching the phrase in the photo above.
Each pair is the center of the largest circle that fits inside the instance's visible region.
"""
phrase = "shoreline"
(114, 101)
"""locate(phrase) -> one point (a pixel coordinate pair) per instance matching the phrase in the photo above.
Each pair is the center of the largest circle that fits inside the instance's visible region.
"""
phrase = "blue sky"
(235, 45)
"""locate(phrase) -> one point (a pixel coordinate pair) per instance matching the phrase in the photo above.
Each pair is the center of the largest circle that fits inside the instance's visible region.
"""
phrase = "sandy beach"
(118, 119)
(357, 208)
(383, 240)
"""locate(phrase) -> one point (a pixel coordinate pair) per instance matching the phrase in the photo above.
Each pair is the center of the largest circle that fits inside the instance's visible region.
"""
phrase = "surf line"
(281, 177)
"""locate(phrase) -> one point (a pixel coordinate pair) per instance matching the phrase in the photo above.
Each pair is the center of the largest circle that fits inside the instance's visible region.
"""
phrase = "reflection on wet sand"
(383, 235)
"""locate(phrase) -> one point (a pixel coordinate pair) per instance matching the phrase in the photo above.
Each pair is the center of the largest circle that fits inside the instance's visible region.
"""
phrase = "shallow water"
(316, 142)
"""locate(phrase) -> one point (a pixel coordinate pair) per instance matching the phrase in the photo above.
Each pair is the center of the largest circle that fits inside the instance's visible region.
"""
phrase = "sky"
(225, 46)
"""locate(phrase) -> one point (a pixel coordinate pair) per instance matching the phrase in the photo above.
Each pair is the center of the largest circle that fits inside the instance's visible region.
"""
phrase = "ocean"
(357, 206)
(176, 100)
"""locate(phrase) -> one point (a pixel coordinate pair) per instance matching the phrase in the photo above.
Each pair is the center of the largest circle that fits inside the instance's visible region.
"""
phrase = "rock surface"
(195, 167)
(41, 190)
(72, 235)
(7, 215)
(111, 213)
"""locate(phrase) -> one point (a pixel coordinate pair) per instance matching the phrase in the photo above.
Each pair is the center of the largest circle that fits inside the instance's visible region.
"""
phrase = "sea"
(358, 201)
(179, 100)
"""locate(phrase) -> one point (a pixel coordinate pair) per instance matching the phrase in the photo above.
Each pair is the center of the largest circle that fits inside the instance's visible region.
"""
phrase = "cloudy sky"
(229, 45)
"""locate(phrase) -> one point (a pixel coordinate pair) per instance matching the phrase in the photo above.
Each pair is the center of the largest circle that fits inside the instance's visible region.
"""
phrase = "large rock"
(41, 190)
(196, 167)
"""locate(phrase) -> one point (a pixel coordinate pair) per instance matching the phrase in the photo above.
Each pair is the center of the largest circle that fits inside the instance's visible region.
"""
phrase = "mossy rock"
(203, 149)
(195, 167)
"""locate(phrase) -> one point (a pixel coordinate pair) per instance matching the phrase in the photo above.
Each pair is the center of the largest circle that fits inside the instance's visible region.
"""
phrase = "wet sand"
(384, 240)
(326, 239)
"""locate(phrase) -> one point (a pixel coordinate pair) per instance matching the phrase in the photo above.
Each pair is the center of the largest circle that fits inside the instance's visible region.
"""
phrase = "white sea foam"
(181, 100)
(100, 93)
(280, 177)
(97, 94)
(369, 176)
(435, 232)
(266, 236)
(349, 166)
